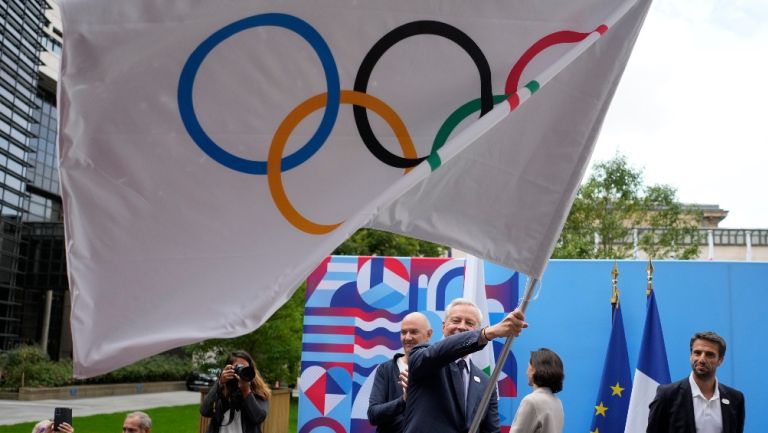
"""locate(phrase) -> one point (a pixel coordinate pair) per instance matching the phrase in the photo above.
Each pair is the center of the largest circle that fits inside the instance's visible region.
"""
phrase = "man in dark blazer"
(386, 405)
(443, 386)
(699, 403)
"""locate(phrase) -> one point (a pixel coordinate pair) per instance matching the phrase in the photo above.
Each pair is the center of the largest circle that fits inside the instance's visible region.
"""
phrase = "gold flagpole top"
(649, 271)
(615, 284)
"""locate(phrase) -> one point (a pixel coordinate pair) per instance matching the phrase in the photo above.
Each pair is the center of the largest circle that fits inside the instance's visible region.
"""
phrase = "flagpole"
(480, 414)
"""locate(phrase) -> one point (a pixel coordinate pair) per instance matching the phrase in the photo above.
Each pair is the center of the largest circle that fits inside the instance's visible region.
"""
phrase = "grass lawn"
(177, 419)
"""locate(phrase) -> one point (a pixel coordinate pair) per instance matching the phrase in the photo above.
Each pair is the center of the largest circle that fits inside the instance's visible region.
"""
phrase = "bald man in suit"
(386, 404)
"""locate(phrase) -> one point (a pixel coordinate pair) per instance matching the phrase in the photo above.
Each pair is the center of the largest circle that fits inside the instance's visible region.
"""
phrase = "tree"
(370, 242)
(614, 200)
(276, 345)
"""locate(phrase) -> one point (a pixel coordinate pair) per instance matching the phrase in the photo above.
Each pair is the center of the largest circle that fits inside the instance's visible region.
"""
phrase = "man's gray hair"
(145, 422)
(464, 301)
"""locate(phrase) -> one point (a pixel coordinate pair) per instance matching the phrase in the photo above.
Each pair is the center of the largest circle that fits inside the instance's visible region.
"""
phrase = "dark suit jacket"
(434, 392)
(386, 404)
(671, 411)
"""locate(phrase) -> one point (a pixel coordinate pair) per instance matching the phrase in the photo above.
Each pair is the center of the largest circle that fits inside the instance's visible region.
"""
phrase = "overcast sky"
(692, 107)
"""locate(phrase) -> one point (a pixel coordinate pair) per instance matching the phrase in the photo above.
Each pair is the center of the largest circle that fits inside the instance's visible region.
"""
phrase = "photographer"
(239, 400)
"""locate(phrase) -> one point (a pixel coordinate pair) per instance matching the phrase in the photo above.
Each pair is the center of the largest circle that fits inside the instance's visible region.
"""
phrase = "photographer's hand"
(227, 374)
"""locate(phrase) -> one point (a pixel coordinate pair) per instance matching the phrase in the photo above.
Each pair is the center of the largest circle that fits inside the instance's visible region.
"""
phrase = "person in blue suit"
(386, 405)
(443, 386)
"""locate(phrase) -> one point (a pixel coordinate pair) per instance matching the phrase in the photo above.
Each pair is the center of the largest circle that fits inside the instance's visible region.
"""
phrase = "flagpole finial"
(615, 284)
(649, 270)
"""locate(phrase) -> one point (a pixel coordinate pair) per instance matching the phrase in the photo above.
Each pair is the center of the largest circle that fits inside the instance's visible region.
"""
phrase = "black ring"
(385, 43)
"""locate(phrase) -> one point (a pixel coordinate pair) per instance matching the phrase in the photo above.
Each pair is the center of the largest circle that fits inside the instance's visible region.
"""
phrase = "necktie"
(463, 371)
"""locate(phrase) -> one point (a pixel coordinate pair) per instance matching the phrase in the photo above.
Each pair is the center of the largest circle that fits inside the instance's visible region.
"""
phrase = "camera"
(245, 372)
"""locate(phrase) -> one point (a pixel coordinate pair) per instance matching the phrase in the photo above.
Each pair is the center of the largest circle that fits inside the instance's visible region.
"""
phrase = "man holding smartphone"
(46, 426)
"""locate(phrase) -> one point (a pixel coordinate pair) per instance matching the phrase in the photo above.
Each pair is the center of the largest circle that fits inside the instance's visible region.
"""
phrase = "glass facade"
(31, 231)
(42, 259)
(43, 174)
(20, 30)
(32, 259)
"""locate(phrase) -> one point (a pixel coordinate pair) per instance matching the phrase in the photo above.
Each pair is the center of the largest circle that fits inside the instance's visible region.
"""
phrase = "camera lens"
(245, 372)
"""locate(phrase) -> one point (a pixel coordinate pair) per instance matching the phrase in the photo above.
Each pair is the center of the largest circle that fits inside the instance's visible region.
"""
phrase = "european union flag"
(616, 384)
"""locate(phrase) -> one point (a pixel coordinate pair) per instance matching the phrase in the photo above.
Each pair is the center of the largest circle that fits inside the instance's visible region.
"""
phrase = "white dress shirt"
(707, 413)
(401, 364)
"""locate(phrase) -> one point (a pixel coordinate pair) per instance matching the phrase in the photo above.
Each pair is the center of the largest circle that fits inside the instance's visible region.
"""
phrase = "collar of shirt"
(707, 414)
(696, 392)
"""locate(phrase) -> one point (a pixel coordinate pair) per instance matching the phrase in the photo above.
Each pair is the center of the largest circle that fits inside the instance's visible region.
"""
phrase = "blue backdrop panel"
(572, 314)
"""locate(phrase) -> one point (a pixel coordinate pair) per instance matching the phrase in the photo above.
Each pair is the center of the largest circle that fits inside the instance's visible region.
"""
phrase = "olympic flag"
(212, 153)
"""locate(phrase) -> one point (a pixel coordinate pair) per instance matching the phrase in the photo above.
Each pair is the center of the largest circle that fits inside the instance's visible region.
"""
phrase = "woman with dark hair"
(239, 400)
(540, 411)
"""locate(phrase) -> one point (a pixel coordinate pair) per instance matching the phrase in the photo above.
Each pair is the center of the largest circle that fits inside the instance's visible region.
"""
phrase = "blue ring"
(195, 60)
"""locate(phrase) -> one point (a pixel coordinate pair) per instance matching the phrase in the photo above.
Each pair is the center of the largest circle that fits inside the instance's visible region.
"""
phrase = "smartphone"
(61, 415)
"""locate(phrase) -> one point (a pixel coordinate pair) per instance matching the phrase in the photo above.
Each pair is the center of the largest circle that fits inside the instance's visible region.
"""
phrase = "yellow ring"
(274, 170)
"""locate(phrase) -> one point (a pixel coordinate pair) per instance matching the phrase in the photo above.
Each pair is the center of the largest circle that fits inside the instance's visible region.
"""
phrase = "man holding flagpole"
(699, 403)
(444, 386)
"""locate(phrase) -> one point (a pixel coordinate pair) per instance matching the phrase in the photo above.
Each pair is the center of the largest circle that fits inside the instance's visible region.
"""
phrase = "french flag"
(652, 369)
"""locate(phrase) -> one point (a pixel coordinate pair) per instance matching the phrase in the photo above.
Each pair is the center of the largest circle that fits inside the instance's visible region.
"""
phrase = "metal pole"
(500, 362)
(46, 320)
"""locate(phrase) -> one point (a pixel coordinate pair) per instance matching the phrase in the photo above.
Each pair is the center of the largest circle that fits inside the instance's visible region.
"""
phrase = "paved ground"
(14, 412)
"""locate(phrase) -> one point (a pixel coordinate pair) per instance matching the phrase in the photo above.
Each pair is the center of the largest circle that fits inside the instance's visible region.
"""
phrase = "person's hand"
(65, 428)
(47, 429)
(512, 324)
(228, 374)
(403, 381)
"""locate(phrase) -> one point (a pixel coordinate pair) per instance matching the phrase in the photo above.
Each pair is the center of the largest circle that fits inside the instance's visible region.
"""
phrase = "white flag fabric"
(474, 290)
(212, 153)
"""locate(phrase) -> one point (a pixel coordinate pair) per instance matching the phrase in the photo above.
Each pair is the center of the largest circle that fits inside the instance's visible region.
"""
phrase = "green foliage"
(158, 368)
(370, 242)
(673, 229)
(29, 366)
(184, 419)
(613, 200)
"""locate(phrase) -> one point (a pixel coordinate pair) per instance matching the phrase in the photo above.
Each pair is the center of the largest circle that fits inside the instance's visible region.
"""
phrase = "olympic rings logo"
(331, 100)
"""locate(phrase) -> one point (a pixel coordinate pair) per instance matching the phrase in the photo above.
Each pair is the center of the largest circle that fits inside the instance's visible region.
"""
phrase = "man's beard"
(708, 373)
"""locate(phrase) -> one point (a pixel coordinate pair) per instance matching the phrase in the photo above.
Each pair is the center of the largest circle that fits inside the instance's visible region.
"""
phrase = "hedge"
(32, 365)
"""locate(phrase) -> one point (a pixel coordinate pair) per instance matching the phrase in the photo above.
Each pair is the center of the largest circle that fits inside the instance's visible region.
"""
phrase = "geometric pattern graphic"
(324, 389)
(353, 309)
(383, 283)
